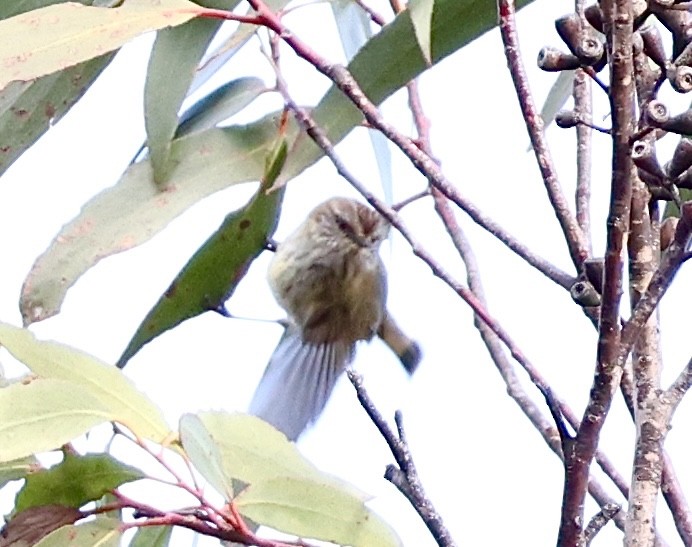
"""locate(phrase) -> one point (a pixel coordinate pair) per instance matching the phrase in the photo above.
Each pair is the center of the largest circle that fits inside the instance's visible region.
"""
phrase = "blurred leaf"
(176, 51)
(390, 60)
(152, 536)
(309, 508)
(559, 93)
(214, 271)
(28, 109)
(75, 481)
(250, 450)
(110, 387)
(421, 17)
(102, 532)
(220, 104)
(354, 30)
(59, 36)
(28, 527)
(135, 209)
(228, 48)
(353, 25)
(44, 414)
(200, 447)
(18, 469)
(671, 209)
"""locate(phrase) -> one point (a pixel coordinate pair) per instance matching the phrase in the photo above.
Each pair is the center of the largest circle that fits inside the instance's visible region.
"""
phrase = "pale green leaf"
(421, 17)
(17, 469)
(204, 454)
(59, 36)
(75, 481)
(28, 109)
(44, 414)
(109, 386)
(309, 508)
(152, 536)
(102, 532)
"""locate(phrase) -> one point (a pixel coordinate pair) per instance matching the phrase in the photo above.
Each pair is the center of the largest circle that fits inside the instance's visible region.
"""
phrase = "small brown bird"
(329, 278)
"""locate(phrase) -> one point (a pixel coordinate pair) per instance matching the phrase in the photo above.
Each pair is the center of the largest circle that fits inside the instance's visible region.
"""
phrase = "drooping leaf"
(354, 30)
(214, 271)
(75, 481)
(28, 109)
(307, 507)
(176, 51)
(18, 469)
(115, 393)
(222, 103)
(29, 526)
(421, 17)
(135, 209)
(62, 35)
(44, 414)
(102, 532)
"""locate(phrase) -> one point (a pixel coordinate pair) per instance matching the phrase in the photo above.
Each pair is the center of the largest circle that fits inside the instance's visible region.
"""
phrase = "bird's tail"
(407, 350)
(298, 381)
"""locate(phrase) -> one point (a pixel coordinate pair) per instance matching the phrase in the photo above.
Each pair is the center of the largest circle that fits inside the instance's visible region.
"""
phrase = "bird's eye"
(344, 225)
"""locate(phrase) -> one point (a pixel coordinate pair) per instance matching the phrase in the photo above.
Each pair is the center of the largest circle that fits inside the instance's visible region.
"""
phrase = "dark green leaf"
(75, 481)
(212, 274)
(28, 527)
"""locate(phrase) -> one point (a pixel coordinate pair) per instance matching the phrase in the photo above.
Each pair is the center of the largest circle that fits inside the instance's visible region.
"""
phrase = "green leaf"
(59, 36)
(220, 104)
(309, 508)
(135, 209)
(390, 60)
(204, 454)
(28, 109)
(114, 392)
(176, 51)
(250, 449)
(44, 414)
(671, 209)
(214, 271)
(152, 536)
(421, 17)
(18, 469)
(75, 481)
(102, 532)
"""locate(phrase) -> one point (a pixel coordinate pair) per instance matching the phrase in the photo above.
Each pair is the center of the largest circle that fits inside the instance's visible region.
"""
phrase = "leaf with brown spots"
(213, 273)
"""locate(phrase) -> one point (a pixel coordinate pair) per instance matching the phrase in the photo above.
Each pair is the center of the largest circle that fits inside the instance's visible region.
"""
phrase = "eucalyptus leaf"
(116, 394)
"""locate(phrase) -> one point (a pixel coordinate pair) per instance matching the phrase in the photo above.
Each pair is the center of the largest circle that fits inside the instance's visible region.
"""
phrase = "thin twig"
(583, 106)
(576, 241)
(411, 487)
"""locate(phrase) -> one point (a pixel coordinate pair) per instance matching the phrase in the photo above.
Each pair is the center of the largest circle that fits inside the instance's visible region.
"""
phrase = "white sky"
(484, 467)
